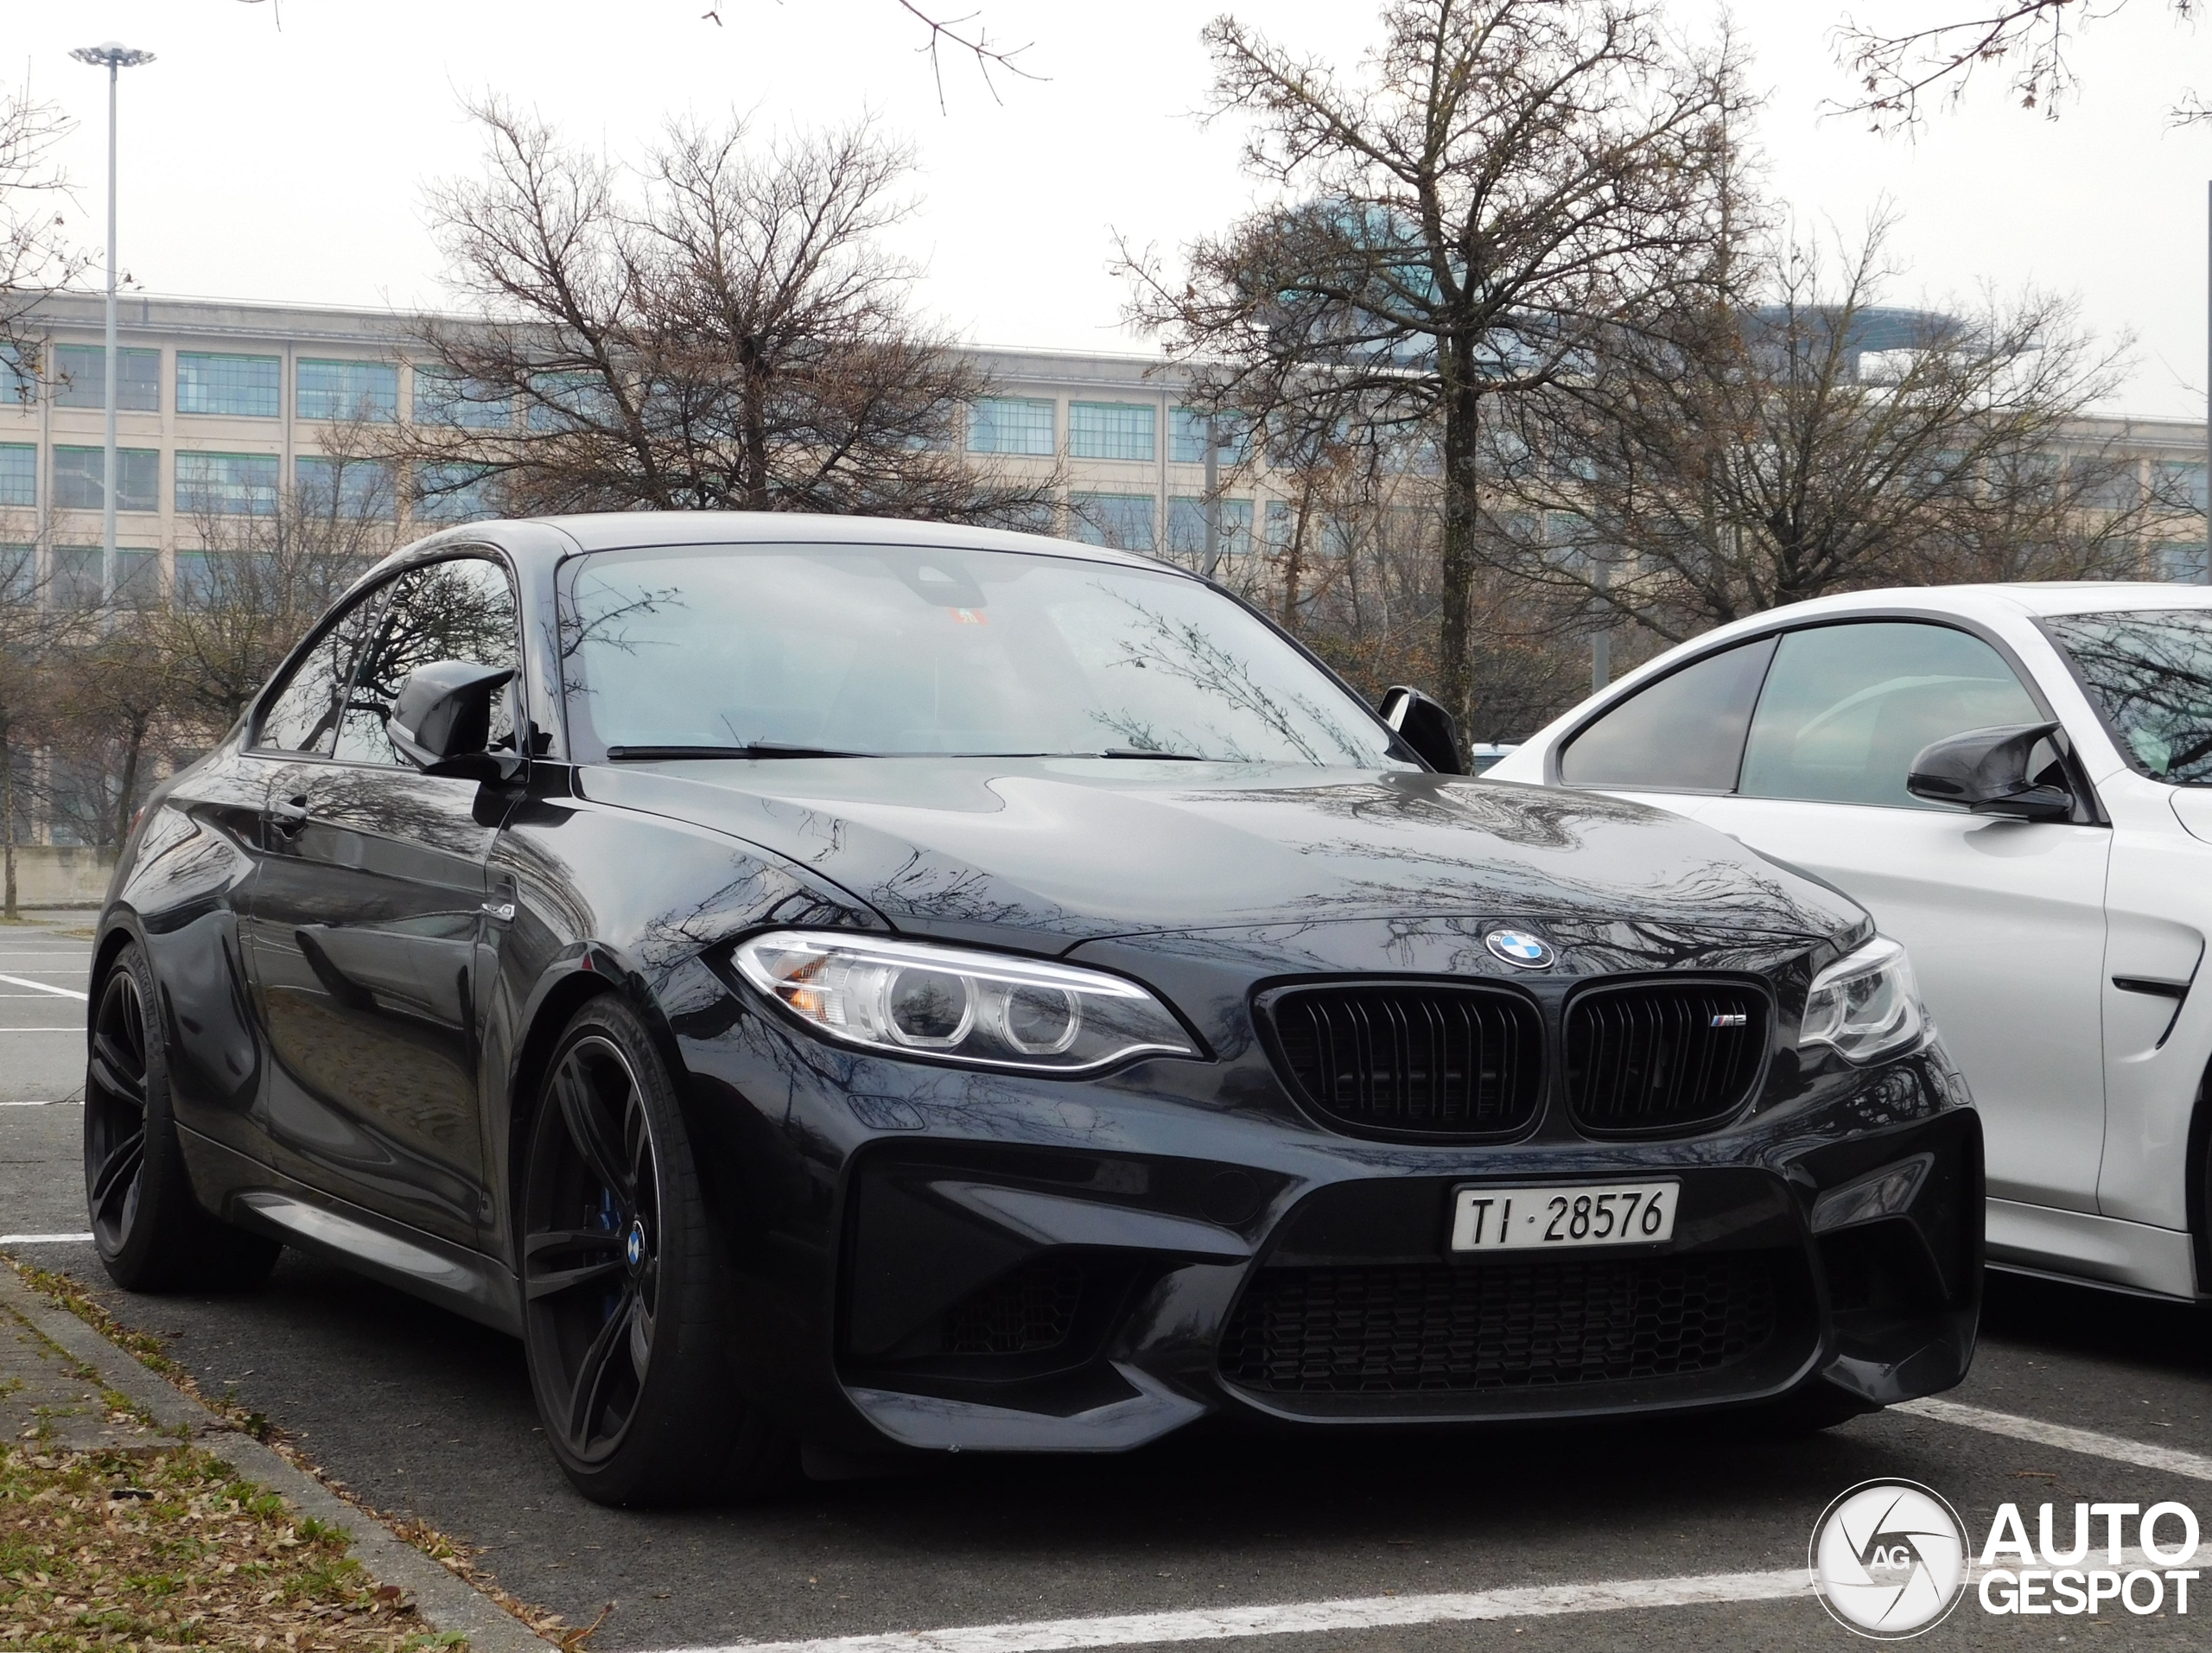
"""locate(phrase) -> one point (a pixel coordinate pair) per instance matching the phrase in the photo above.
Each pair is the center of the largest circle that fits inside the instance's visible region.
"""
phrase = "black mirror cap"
(1986, 770)
(1424, 725)
(441, 720)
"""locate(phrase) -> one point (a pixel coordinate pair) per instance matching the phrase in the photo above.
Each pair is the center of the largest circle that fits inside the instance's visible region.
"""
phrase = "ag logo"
(1889, 1559)
(1519, 947)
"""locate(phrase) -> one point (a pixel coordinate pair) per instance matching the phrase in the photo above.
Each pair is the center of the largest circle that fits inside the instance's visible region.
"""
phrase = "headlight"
(1866, 1004)
(981, 1009)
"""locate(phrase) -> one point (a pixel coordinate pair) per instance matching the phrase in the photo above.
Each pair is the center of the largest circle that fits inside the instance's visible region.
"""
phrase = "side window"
(1846, 709)
(1685, 732)
(304, 715)
(459, 610)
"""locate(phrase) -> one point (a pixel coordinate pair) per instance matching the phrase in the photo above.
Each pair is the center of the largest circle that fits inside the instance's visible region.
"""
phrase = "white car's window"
(1846, 709)
(2150, 673)
(1684, 733)
(899, 652)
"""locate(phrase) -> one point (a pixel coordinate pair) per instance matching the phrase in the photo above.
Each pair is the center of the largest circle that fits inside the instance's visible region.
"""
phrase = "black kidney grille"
(1417, 1060)
(1543, 1321)
(1023, 1312)
(1663, 1057)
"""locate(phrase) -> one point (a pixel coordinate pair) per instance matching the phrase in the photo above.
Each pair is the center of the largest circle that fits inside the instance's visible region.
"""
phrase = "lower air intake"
(1543, 1322)
(1027, 1312)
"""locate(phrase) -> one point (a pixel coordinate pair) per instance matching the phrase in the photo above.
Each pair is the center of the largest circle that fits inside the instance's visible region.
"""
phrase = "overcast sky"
(287, 163)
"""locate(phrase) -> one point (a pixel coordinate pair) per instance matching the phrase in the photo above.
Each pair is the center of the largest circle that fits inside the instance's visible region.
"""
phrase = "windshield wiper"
(757, 749)
(1138, 752)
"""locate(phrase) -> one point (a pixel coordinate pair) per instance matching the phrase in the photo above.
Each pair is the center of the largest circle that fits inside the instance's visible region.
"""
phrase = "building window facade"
(1187, 528)
(2180, 481)
(1124, 520)
(76, 580)
(18, 473)
(227, 484)
(364, 489)
(345, 389)
(1110, 431)
(452, 492)
(81, 378)
(1186, 436)
(442, 400)
(1011, 424)
(243, 387)
(80, 476)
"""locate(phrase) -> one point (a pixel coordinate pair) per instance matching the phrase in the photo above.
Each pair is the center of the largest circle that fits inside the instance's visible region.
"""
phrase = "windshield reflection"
(891, 650)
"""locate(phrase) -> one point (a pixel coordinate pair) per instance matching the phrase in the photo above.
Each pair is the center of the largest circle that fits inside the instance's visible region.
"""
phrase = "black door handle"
(288, 817)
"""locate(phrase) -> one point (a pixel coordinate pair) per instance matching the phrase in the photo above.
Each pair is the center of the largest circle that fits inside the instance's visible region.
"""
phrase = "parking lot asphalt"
(427, 1415)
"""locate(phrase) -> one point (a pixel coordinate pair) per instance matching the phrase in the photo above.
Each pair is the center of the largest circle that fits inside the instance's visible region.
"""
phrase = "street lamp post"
(114, 57)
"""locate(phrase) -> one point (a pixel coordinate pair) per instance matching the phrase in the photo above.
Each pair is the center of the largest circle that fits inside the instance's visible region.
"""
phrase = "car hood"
(1057, 851)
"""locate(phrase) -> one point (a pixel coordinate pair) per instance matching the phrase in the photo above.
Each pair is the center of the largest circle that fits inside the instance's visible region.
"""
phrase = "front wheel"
(625, 1312)
(149, 1229)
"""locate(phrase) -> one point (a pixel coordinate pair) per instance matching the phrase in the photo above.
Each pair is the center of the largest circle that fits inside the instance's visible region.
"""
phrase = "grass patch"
(171, 1549)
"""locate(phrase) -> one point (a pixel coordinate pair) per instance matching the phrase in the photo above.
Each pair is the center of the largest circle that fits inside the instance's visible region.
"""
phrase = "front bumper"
(936, 1259)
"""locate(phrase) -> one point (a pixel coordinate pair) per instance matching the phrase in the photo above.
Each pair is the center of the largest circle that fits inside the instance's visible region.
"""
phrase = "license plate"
(1557, 1219)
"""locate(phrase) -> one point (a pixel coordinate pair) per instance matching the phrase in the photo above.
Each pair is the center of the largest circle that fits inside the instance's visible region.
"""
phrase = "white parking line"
(2118, 1448)
(48, 1101)
(44, 987)
(1369, 1613)
(45, 1239)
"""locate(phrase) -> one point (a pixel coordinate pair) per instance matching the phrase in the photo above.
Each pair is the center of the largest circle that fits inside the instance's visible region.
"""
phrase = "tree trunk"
(1462, 525)
(755, 438)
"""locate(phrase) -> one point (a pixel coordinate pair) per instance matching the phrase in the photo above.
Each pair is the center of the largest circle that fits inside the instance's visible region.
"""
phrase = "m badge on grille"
(1729, 1019)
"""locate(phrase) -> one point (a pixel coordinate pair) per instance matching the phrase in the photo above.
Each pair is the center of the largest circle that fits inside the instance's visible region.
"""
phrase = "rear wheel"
(626, 1312)
(151, 1232)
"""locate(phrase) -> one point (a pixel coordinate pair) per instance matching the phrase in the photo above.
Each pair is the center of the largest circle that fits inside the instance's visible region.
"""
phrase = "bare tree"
(266, 567)
(2031, 39)
(1507, 185)
(34, 257)
(718, 329)
(1792, 436)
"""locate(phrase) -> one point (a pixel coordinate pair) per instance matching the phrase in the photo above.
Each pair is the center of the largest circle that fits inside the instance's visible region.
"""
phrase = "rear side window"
(304, 717)
(1684, 733)
(1846, 709)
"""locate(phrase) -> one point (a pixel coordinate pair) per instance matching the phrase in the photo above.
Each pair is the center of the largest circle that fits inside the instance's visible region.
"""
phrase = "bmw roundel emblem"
(1519, 947)
(634, 1246)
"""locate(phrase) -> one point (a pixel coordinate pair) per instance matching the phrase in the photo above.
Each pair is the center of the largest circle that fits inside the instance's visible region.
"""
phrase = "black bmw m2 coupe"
(902, 988)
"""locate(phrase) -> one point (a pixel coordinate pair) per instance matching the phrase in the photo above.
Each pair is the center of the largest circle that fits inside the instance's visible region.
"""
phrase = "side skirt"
(247, 1192)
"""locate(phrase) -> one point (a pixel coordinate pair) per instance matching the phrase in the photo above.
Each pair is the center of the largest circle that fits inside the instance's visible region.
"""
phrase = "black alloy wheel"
(149, 1229)
(625, 1304)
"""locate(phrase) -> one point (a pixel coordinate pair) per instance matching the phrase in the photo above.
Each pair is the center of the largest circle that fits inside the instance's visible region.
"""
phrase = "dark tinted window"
(461, 610)
(1683, 734)
(1846, 709)
(303, 717)
(2150, 673)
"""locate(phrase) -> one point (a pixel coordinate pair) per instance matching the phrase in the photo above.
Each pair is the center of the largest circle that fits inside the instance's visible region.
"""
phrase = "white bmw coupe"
(2017, 782)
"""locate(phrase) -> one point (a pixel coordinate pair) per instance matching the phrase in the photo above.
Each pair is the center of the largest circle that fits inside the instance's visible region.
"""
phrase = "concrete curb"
(446, 1601)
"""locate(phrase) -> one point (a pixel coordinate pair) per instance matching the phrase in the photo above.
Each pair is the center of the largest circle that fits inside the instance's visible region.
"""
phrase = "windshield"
(775, 650)
(2150, 673)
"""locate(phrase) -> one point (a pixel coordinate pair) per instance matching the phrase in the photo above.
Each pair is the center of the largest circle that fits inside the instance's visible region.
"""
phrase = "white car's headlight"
(981, 1009)
(1866, 1004)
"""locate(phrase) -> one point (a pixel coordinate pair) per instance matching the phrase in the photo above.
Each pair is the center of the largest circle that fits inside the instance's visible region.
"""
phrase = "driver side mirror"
(1424, 725)
(440, 721)
(1986, 770)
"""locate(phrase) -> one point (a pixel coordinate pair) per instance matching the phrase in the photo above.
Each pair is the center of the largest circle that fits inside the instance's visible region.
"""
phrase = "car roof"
(632, 529)
(2033, 597)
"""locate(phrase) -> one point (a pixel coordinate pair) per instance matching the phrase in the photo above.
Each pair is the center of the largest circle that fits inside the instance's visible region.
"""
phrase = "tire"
(626, 1315)
(150, 1231)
